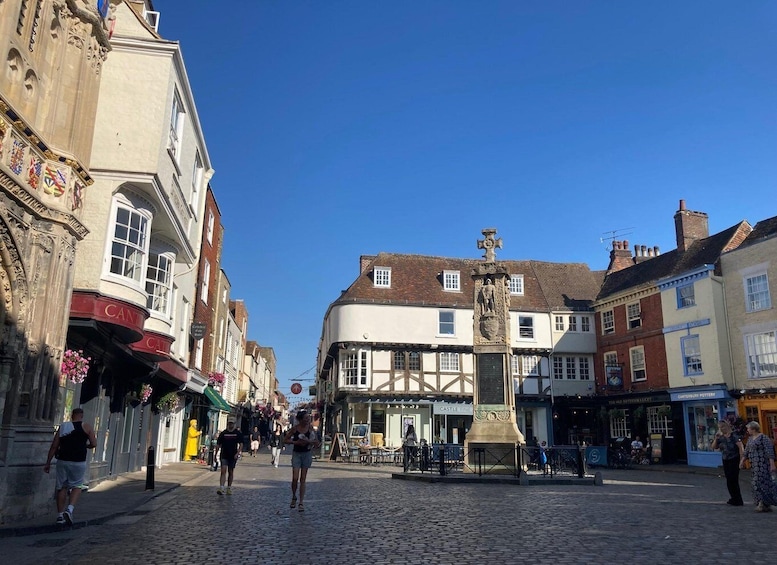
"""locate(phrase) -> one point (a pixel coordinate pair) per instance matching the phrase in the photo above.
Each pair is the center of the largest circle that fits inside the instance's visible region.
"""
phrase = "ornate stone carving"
(489, 244)
(486, 414)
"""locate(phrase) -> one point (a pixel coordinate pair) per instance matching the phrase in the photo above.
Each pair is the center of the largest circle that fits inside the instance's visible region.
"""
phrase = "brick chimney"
(364, 262)
(643, 253)
(689, 226)
(620, 256)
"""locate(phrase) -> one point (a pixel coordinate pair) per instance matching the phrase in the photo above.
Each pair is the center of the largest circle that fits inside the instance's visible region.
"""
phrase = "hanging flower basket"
(664, 411)
(168, 403)
(145, 393)
(216, 379)
(75, 365)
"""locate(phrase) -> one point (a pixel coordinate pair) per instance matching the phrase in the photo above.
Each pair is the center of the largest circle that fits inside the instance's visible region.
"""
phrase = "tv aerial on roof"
(612, 235)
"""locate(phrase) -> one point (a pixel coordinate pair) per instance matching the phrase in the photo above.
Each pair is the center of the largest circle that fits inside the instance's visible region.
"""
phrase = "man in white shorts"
(69, 445)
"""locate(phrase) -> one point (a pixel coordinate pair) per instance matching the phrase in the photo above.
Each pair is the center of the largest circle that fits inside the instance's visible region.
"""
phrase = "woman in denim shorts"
(304, 439)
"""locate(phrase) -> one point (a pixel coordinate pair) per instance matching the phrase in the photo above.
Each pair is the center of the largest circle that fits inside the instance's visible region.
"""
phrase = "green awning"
(216, 400)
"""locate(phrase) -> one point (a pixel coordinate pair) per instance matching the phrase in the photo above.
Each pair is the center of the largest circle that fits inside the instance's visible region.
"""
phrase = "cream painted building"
(698, 357)
(750, 275)
(135, 282)
(397, 347)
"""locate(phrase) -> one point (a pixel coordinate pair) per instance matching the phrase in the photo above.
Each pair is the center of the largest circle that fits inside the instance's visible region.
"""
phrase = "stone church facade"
(53, 51)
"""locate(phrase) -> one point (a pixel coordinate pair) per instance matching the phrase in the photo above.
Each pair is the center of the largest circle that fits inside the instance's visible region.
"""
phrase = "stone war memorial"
(494, 436)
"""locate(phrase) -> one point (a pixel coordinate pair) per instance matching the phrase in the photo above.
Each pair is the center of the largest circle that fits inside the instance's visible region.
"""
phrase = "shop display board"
(340, 447)
(656, 446)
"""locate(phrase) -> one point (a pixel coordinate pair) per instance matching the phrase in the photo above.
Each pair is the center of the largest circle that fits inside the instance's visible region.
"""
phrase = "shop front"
(760, 405)
(703, 407)
(451, 421)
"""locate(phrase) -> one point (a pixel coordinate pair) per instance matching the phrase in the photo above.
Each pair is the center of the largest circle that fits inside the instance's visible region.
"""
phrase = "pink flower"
(75, 365)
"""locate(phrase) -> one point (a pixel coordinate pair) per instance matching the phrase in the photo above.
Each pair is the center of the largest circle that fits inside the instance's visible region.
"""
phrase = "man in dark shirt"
(70, 444)
(230, 443)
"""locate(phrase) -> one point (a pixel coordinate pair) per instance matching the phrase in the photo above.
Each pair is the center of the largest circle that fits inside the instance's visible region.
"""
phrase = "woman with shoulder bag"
(760, 452)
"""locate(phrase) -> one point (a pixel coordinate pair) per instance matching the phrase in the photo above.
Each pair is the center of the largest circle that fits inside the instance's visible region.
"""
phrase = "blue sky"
(342, 128)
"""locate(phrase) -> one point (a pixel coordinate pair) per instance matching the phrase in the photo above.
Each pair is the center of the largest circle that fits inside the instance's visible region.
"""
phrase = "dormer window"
(382, 277)
(451, 280)
(516, 284)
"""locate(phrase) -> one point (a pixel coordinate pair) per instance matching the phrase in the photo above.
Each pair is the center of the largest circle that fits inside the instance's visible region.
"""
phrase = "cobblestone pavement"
(356, 514)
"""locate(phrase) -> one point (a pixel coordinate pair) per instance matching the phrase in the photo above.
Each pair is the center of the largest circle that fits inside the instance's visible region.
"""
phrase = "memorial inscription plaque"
(491, 387)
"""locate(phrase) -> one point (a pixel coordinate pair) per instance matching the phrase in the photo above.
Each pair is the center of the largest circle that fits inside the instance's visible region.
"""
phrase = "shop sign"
(198, 330)
(448, 408)
(700, 395)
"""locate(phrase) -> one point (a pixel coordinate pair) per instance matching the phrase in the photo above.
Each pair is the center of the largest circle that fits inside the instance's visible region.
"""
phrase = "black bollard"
(150, 463)
(581, 462)
(442, 459)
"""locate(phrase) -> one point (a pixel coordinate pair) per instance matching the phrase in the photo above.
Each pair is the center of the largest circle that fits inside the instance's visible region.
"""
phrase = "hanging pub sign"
(296, 388)
(198, 330)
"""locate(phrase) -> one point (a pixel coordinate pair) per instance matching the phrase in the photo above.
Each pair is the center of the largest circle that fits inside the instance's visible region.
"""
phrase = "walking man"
(69, 445)
(230, 443)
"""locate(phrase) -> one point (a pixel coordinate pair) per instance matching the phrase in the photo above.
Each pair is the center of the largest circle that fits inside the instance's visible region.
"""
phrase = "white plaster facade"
(146, 209)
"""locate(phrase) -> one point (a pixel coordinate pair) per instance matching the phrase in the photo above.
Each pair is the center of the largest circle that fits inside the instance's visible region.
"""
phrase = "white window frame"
(608, 322)
(659, 424)
(633, 315)
(159, 288)
(757, 298)
(530, 365)
(557, 362)
(584, 368)
(197, 172)
(559, 323)
(585, 324)
(573, 324)
(205, 284)
(449, 362)
(524, 328)
(637, 363)
(686, 295)
(381, 277)
(354, 366)
(451, 281)
(515, 365)
(619, 427)
(444, 324)
(128, 247)
(516, 285)
(570, 367)
(198, 350)
(210, 226)
(177, 116)
(691, 353)
(761, 356)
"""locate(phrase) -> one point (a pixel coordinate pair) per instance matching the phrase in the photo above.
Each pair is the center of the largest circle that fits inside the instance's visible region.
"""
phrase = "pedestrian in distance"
(304, 439)
(69, 445)
(276, 444)
(732, 450)
(255, 441)
(760, 452)
(230, 444)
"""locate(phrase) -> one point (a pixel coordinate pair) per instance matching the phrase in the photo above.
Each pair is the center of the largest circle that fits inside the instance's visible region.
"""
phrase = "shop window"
(619, 424)
(659, 422)
(703, 425)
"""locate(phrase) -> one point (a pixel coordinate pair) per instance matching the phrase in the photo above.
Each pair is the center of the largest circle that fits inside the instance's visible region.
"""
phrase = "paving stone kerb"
(357, 514)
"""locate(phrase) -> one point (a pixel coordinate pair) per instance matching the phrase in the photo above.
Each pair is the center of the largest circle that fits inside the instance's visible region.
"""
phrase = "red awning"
(153, 347)
(173, 371)
(125, 319)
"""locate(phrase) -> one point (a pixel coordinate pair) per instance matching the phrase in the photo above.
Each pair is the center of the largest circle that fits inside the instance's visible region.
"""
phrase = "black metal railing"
(446, 459)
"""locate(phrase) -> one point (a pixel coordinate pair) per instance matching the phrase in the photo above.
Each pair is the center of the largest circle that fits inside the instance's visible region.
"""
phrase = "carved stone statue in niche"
(487, 295)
